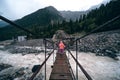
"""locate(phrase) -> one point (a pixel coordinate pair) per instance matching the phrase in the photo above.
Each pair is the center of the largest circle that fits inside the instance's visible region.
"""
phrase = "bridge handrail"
(16, 25)
(101, 26)
(73, 76)
(39, 68)
(83, 70)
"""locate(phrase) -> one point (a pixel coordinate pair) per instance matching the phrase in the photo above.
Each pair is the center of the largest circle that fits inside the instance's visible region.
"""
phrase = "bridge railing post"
(77, 59)
(45, 57)
(80, 66)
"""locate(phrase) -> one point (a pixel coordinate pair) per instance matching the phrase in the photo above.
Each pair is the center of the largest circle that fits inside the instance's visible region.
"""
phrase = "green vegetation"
(95, 18)
(46, 21)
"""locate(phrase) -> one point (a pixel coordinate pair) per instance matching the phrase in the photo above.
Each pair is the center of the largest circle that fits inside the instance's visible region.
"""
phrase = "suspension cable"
(16, 25)
(101, 26)
(33, 76)
(39, 68)
(73, 76)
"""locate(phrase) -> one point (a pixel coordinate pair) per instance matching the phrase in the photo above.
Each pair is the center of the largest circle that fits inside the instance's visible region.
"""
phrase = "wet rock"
(102, 44)
(11, 73)
(6, 77)
(35, 68)
(4, 66)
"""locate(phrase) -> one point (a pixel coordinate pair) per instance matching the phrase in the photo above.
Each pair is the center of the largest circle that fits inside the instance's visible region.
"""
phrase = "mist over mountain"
(97, 6)
(75, 15)
(72, 15)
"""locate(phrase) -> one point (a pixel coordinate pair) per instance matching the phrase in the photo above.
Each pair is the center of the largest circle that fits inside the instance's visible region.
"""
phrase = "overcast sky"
(15, 9)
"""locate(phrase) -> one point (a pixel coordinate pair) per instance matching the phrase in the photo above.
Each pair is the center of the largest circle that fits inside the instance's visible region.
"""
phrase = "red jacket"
(61, 45)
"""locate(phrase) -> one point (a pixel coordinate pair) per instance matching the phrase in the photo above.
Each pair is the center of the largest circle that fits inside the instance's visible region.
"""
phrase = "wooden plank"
(61, 69)
(60, 77)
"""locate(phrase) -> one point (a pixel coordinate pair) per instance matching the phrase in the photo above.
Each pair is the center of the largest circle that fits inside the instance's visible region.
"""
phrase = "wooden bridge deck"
(61, 68)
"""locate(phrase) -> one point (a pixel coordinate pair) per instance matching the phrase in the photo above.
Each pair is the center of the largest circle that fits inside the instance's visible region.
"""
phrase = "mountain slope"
(2, 24)
(73, 15)
(40, 18)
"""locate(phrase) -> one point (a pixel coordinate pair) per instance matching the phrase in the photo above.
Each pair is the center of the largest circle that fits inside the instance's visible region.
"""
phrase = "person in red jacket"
(61, 47)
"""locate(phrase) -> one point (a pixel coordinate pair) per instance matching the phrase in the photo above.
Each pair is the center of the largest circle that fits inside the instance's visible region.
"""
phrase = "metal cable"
(33, 76)
(101, 26)
(16, 25)
(83, 70)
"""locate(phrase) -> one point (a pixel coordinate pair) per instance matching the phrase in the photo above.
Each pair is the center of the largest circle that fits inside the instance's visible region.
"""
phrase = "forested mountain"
(72, 15)
(3, 24)
(41, 17)
(105, 13)
(40, 21)
(95, 18)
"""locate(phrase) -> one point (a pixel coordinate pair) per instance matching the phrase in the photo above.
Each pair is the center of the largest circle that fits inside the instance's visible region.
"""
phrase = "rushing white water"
(99, 68)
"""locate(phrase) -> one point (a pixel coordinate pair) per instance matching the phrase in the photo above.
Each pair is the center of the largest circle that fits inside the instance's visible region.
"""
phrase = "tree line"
(85, 23)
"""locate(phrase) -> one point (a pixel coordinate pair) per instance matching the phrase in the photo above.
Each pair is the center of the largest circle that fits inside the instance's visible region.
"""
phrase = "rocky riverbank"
(17, 59)
(19, 67)
(103, 43)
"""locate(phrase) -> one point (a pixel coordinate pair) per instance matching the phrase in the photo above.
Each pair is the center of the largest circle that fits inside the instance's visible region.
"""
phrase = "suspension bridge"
(61, 69)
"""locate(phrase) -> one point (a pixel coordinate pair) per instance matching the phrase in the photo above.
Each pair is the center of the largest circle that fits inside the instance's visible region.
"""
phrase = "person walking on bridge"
(61, 47)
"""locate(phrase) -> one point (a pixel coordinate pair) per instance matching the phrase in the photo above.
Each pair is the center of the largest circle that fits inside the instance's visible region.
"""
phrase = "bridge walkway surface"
(61, 69)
